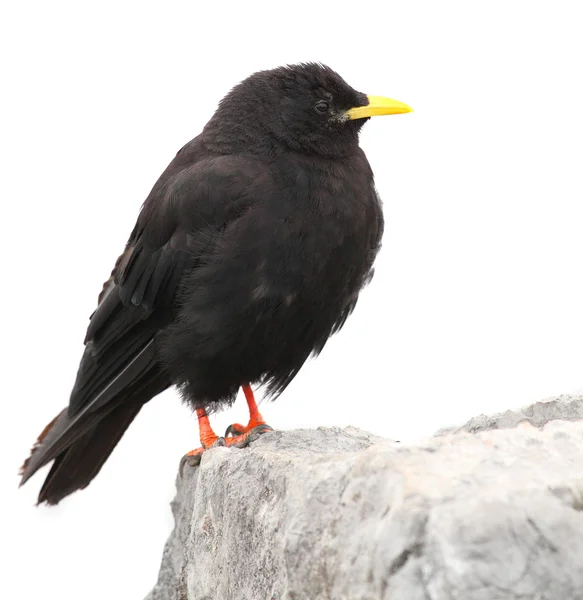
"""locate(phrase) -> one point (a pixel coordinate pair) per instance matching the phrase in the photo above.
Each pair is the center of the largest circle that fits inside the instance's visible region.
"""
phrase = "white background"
(476, 304)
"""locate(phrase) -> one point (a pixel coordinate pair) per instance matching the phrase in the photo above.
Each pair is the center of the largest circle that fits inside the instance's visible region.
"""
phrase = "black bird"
(249, 252)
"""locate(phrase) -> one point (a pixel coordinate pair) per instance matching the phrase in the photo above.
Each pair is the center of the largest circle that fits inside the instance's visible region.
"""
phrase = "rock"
(564, 408)
(338, 514)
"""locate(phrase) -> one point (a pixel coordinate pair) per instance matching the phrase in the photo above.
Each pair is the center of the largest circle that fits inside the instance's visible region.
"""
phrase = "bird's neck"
(227, 133)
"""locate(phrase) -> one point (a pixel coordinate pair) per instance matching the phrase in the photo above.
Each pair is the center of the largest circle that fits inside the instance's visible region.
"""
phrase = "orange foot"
(255, 418)
(244, 435)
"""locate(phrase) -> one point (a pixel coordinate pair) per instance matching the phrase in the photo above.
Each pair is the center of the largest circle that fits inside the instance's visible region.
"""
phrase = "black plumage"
(249, 252)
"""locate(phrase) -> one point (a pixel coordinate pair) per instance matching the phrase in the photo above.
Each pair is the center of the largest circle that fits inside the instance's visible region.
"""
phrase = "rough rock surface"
(565, 408)
(337, 514)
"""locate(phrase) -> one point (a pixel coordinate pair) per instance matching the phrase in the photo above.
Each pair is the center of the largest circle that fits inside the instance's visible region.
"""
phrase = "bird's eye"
(322, 107)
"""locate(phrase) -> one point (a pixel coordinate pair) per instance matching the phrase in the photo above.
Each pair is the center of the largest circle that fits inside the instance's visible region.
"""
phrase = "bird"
(249, 252)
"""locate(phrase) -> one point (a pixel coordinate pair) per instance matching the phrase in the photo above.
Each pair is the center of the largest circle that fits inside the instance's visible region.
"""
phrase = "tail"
(80, 444)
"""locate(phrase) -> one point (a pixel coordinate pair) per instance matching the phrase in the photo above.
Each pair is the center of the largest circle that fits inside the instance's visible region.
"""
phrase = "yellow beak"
(377, 105)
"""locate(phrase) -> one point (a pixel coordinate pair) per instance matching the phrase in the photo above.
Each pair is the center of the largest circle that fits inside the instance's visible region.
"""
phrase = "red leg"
(207, 436)
(255, 418)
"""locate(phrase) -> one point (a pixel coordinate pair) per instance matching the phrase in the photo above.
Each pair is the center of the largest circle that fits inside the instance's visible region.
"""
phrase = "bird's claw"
(234, 429)
(250, 436)
(193, 458)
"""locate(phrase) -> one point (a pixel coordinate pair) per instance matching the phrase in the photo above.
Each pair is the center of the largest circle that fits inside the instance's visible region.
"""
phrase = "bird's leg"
(207, 438)
(255, 418)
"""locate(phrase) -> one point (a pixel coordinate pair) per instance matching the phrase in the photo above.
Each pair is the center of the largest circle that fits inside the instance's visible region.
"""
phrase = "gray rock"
(338, 514)
(565, 408)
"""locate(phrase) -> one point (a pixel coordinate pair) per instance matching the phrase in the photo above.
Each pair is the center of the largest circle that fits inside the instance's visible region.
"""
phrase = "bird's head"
(307, 108)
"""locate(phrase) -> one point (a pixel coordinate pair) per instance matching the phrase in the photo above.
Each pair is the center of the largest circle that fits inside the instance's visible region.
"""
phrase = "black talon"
(192, 460)
(232, 432)
(261, 429)
(253, 435)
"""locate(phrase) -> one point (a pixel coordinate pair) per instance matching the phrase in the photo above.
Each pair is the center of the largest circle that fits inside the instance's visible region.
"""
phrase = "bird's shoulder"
(197, 195)
(208, 191)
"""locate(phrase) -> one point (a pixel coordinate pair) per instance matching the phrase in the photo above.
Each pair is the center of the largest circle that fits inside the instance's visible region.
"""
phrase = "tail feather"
(74, 468)
(80, 443)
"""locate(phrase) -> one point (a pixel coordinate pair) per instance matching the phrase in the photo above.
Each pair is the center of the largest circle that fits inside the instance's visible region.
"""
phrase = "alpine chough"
(248, 253)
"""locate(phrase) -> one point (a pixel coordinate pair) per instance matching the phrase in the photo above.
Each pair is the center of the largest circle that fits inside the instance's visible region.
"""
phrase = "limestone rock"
(338, 514)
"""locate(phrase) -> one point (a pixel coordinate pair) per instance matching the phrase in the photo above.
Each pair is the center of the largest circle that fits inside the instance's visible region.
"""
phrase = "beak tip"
(379, 105)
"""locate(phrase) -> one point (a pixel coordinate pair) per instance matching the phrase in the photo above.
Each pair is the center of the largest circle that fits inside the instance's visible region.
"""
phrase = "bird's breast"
(324, 222)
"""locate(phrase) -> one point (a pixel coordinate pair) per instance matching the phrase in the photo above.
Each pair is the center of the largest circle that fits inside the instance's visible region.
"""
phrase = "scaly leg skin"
(209, 438)
(255, 418)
